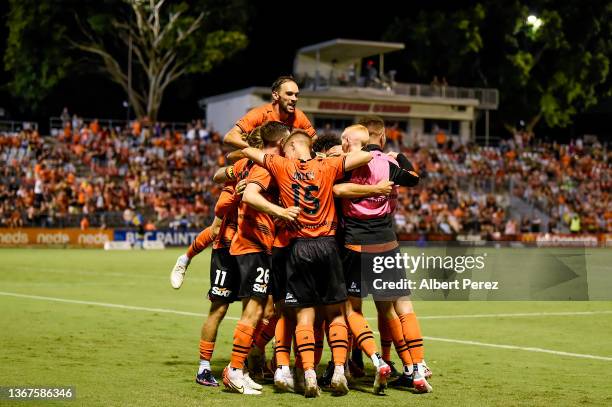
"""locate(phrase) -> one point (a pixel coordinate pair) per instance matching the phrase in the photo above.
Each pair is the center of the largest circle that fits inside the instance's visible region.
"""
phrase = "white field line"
(463, 342)
(512, 315)
(109, 305)
(529, 349)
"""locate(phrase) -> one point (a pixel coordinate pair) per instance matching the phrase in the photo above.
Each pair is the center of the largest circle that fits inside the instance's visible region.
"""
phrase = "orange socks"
(338, 342)
(362, 333)
(266, 332)
(243, 338)
(412, 335)
(304, 337)
(284, 336)
(200, 243)
(386, 339)
(318, 335)
(206, 350)
(395, 328)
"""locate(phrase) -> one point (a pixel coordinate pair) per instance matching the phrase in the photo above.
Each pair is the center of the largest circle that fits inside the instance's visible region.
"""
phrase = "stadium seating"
(92, 176)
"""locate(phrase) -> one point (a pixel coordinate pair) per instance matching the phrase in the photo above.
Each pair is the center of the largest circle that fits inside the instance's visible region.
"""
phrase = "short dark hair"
(374, 124)
(325, 142)
(280, 80)
(273, 131)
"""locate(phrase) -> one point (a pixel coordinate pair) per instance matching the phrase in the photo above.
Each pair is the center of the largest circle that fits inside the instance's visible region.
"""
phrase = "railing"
(14, 126)
(57, 123)
(487, 98)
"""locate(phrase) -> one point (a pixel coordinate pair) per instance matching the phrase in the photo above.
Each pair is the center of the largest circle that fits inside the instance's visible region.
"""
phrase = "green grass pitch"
(124, 356)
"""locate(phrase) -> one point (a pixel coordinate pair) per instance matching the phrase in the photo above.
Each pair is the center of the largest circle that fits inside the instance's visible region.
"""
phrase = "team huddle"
(297, 227)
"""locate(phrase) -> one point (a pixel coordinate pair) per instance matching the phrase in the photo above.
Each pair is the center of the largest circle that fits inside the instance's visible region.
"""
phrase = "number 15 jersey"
(308, 184)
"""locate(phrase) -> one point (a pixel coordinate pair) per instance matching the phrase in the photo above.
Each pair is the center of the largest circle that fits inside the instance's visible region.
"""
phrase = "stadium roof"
(342, 49)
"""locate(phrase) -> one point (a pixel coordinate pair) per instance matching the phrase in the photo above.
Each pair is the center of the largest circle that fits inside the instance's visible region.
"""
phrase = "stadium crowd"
(101, 176)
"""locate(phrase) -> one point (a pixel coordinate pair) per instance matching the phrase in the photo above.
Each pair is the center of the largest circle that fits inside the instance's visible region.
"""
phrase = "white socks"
(204, 365)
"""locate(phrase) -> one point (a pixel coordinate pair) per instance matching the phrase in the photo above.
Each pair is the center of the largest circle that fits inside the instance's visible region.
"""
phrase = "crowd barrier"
(54, 237)
(182, 238)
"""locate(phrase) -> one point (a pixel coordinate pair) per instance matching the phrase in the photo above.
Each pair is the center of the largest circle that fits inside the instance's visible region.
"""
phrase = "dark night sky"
(274, 36)
(276, 30)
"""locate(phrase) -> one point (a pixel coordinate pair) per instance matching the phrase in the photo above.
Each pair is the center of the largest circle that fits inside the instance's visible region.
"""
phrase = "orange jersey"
(255, 229)
(283, 235)
(266, 113)
(227, 209)
(309, 185)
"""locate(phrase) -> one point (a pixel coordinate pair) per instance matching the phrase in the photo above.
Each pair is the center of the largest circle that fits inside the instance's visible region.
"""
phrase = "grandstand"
(107, 173)
(91, 175)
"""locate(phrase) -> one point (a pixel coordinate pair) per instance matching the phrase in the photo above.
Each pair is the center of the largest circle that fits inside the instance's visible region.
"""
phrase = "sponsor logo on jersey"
(221, 292)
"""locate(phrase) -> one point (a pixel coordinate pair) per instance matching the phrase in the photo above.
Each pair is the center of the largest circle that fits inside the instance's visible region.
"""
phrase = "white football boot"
(177, 275)
(233, 379)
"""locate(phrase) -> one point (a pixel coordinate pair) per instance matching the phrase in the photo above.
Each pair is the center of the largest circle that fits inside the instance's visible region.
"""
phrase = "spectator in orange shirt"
(283, 109)
(393, 137)
(440, 138)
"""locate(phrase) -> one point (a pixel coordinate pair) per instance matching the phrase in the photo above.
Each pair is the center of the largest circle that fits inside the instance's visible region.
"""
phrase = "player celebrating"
(369, 233)
(314, 270)
(251, 247)
(283, 109)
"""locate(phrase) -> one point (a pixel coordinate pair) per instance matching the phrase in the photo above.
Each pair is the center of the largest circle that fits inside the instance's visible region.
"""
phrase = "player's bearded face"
(287, 97)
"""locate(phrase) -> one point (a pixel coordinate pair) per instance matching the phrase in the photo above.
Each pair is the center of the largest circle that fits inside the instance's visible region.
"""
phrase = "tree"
(35, 56)
(168, 40)
(548, 72)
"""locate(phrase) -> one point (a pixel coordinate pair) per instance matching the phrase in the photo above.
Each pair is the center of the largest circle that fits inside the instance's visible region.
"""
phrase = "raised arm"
(252, 197)
(234, 138)
(254, 154)
(349, 190)
(356, 159)
(404, 175)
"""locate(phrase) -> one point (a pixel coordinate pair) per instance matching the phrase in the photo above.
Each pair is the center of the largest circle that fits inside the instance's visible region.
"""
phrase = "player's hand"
(240, 186)
(385, 187)
(393, 154)
(290, 214)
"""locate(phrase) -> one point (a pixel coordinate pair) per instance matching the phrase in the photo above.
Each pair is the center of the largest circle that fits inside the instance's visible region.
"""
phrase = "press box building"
(339, 83)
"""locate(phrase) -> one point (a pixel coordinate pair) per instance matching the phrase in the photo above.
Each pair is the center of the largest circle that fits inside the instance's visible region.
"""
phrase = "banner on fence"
(52, 237)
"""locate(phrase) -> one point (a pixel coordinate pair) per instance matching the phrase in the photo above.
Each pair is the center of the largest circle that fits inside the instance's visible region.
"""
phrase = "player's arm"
(404, 175)
(252, 197)
(215, 227)
(234, 156)
(227, 199)
(254, 154)
(224, 174)
(234, 138)
(356, 159)
(349, 190)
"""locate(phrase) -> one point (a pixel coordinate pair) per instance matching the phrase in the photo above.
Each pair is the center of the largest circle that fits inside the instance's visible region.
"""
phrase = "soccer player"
(224, 272)
(252, 247)
(282, 109)
(331, 145)
(368, 232)
(224, 281)
(206, 236)
(314, 269)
